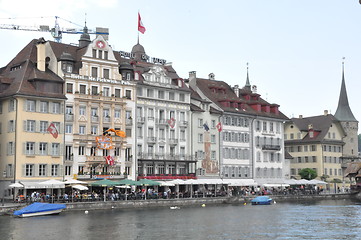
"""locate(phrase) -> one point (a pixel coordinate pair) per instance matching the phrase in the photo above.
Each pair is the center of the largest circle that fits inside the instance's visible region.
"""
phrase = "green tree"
(308, 173)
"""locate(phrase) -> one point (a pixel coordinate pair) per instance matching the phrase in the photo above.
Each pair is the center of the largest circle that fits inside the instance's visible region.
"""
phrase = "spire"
(343, 112)
(248, 85)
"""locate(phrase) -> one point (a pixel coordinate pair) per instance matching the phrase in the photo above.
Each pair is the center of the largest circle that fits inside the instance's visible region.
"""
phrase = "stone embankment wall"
(10, 208)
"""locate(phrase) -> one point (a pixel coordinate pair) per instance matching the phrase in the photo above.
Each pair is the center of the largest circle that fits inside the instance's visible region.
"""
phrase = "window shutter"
(49, 149)
(24, 125)
(37, 106)
(61, 110)
(36, 148)
(61, 171)
(61, 130)
(24, 148)
(46, 170)
(50, 109)
(37, 126)
(24, 106)
(61, 149)
(36, 170)
(24, 170)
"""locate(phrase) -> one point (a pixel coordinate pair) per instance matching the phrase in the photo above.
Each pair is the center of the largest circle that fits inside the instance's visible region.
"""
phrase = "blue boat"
(40, 209)
(261, 200)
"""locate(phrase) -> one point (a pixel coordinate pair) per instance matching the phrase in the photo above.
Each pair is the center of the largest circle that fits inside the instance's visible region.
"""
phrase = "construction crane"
(56, 31)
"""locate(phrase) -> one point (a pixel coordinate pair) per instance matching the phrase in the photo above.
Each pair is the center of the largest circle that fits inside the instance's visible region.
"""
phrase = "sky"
(294, 48)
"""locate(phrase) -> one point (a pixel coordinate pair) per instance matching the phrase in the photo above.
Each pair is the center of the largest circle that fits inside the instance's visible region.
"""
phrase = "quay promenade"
(6, 208)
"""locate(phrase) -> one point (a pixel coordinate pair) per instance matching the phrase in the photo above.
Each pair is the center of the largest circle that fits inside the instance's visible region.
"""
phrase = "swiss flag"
(52, 130)
(141, 27)
(219, 127)
(109, 160)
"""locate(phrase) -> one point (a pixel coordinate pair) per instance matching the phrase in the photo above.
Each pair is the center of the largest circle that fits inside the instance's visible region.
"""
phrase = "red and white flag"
(109, 160)
(219, 127)
(141, 27)
(52, 130)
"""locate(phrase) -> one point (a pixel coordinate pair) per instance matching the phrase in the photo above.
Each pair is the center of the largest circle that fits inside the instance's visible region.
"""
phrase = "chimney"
(310, 127)
(192, 75)
(236, 90)
(325, 112)
(211, 76)
(41, 54)
(300, 116)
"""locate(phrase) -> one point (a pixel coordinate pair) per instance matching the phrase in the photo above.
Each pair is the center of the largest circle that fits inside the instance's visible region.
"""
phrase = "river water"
(326, 219)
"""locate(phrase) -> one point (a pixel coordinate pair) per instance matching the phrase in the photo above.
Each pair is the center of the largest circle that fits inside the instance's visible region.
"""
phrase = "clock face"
(100, 44)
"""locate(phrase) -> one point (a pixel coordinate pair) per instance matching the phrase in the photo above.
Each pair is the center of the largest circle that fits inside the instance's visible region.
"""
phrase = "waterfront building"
(247, 150)
(316, 143)
(205, 136)
(324, 143)
(32, 104)
(162, 118)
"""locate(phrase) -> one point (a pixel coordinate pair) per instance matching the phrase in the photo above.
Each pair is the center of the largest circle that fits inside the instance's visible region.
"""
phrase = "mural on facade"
(210, 166)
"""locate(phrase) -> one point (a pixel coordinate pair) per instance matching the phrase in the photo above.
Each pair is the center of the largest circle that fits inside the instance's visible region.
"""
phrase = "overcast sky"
(294, 47)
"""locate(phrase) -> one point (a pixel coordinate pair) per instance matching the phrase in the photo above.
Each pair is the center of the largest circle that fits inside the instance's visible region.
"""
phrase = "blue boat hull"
(40, 209)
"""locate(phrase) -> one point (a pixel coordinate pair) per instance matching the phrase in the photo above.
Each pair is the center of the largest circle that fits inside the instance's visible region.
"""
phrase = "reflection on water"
(331, 219)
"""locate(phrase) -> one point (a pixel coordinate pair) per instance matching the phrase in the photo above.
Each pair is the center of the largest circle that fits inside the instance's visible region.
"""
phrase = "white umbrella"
(315, 181)
(74, 181)
(52, 183)
(16, 185)
(80, 187)
(123, 186)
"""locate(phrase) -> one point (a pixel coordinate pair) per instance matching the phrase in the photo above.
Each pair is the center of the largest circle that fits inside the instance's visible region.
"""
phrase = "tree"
(308, 173)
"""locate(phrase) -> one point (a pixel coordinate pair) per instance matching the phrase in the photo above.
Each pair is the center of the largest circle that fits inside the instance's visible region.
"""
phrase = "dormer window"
(67, 67)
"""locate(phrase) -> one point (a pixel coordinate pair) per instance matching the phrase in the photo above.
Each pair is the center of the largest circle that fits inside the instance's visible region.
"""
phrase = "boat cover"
(39, 207)
(261, 199)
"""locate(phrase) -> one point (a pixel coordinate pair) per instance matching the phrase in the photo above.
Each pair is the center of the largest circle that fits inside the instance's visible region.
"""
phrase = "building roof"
(320, 125)
(353, 169)
(343, 112)
(219, 92)
(21, 74)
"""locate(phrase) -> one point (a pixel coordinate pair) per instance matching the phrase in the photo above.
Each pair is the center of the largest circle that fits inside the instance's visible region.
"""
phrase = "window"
(213, 155)
(106, 73)
(94, 72)
(11, 105)
(200, 137)
(117, 113)
(149, 92)
(161, 94)
(44, 107)
(69, 88)
(171, 95)
(181, 97)
(30, 125)
(67, 170)
(94, 130)
(117, 93)
(11, 126)
(264, 128)
(100, 54)
(314, 158)
(29, 170)
(68, 128)
(106, 55)
(54, 170)
(30, 148)
(200, 122)
(82, 110)
(94, 90)
(94, 55)
(291, 136)
(313, 148)
(82, 89)
(55, 149)
(94, 112)
(42, 170)
(56, 107)
(305, 148)
(10, 148)
(106, 92)
(128, 94)
(82, 129)
(30, 105)
(213, 138)
(213, 124)
(43, 148)
(81, 151)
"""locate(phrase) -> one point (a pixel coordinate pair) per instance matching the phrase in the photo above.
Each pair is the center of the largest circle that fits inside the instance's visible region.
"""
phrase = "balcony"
(183, 123)
(129, 122)
(106, 119)
(69, 117)
(271, 147)
(167, 176)
(172, 141)
(94, 118)
(140, 120)
(151, 139)
(161, 121)
(166, 157)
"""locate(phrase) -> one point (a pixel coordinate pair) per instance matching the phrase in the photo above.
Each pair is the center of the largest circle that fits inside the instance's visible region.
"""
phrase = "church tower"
(349, 124)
